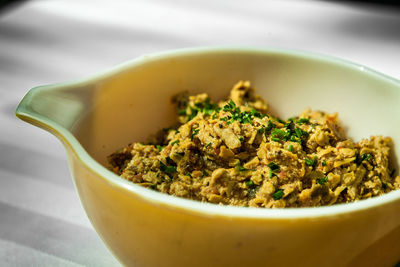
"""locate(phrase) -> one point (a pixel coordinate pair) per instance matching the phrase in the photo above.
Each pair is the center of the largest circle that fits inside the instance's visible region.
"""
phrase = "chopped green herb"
(205, 174)
(194, 132)
(182, 112)
(189, 174)
(241, 138)
(270, 126)
(261, 130)
(240, 167)
(160, 147)
(311, 162)
(363, 157)
(209, 144)
(192, 114)
(322, 180)
(216, 112)
(303, 120)
(271, 174)
(175, 142)
(276, 139)
(250, 183)
(295, 139)
(298, 132)
(229, 106)
(323, 163)
(278, 132)
(273, 166)
(278, 194)
(290, 148)
(167, 169)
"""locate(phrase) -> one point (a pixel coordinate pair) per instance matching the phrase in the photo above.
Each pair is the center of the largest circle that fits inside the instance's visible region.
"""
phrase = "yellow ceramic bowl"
(96, 116)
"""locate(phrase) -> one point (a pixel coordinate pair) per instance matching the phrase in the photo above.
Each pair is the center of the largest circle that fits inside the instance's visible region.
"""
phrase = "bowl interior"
(133, 102)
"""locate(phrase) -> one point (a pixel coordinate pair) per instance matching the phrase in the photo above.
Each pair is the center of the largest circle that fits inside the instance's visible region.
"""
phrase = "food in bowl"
(233, 152)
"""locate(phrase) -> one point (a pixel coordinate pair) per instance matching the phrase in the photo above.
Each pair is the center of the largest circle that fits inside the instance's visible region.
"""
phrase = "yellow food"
(234, 153)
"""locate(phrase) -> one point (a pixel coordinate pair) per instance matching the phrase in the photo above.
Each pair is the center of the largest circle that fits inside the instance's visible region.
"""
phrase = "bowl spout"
(55, 108)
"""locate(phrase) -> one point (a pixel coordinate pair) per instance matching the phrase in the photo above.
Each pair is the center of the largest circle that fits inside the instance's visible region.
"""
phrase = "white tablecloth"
(41, 220)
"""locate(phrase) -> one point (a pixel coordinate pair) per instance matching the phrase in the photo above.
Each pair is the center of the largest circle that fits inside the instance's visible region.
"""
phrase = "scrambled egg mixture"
(235, 153)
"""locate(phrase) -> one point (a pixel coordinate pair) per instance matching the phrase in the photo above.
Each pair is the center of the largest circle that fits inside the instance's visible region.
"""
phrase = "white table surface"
(41, 220)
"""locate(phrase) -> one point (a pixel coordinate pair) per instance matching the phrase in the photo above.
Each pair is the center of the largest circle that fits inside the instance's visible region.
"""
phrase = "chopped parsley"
(322, 180)
(276, 139)
(290, 148)
(160, 147)
(241, 138)
(323, 163)
(278, 194)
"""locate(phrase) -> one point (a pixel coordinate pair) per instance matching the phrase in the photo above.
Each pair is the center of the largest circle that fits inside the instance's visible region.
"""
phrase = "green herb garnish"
(363, 157)
(160, 147)
(182, 112)
(175, 142)
(311, 162)
(303, 120)
(273, 166)
(167, 168)
(271, 174)
(240, 167)
(250, 184)
(290, 148)
(276, 139)
(192, 114)
(322, 180)
(270, 126)
(323, 163)
(194, 132)
(278, 194)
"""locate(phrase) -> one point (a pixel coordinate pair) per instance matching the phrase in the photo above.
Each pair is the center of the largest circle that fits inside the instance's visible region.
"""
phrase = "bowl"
(94, 117)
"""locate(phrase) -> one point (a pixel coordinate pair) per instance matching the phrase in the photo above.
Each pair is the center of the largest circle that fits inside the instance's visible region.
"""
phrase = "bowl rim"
(25, 113)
